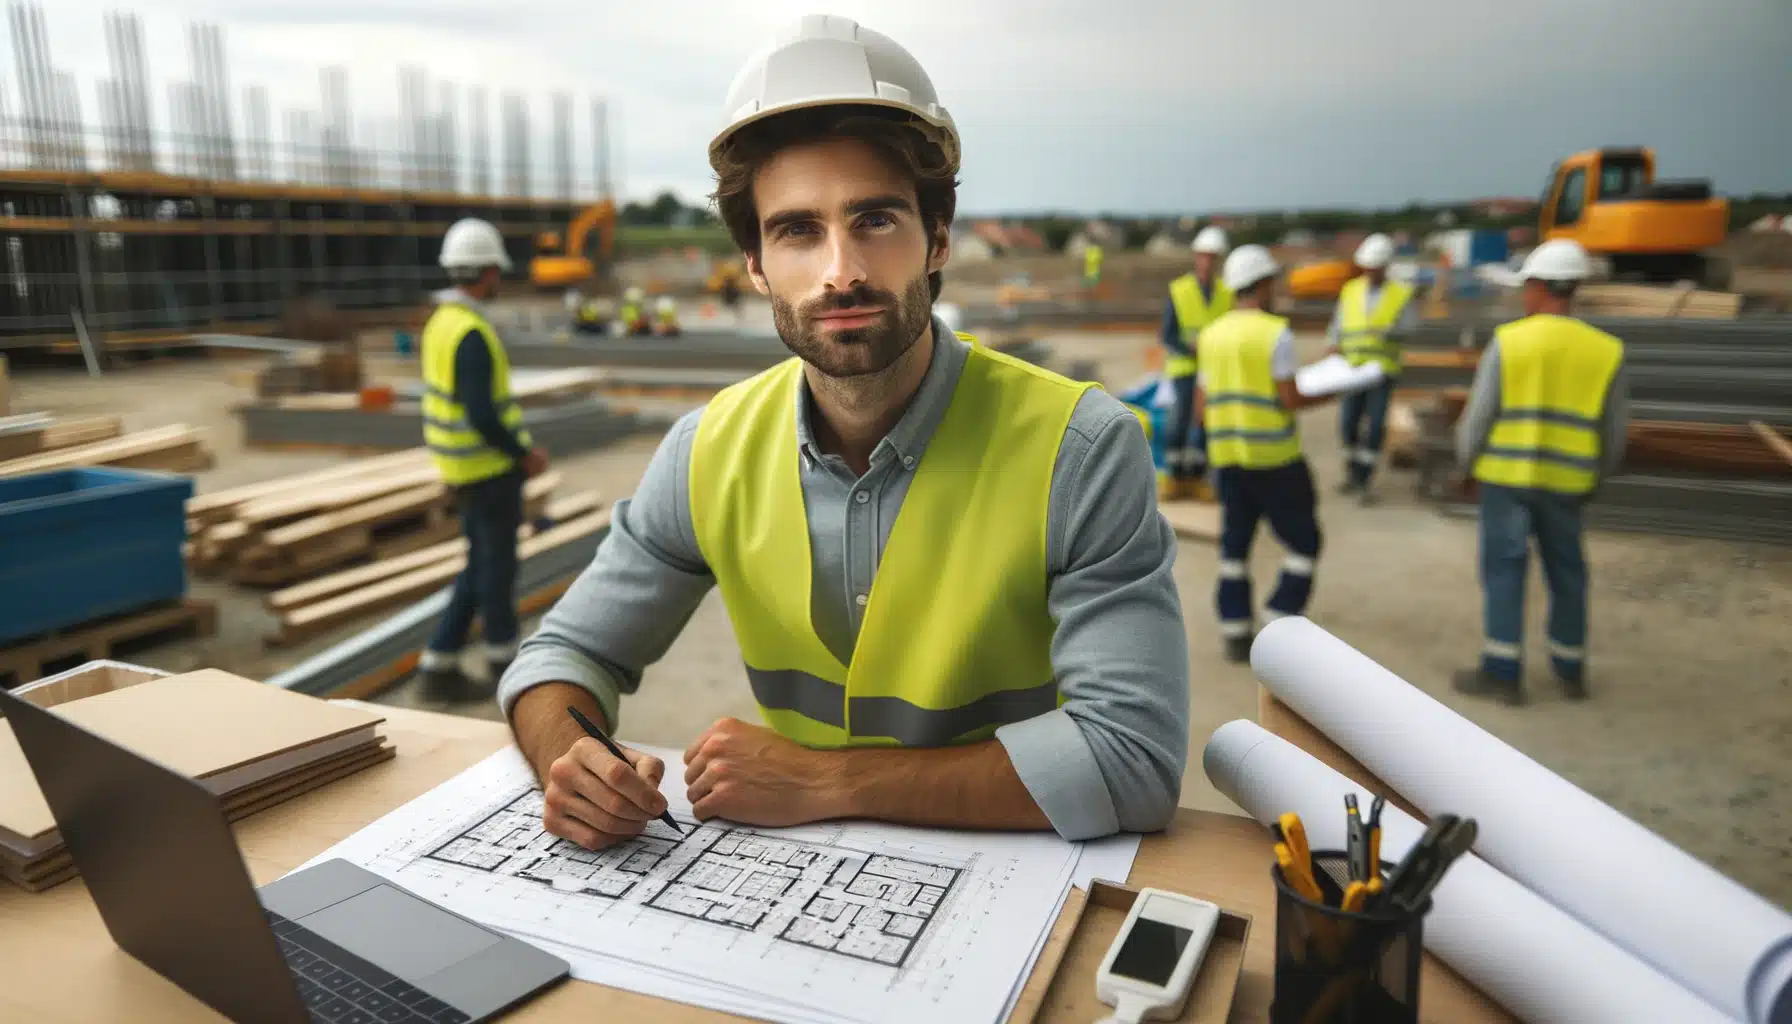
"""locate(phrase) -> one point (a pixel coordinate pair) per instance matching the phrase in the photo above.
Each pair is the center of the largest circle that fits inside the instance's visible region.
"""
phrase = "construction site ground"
(1691, 710)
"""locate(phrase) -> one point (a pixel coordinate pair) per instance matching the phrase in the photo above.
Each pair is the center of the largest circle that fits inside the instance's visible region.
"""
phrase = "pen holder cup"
(1334, 967)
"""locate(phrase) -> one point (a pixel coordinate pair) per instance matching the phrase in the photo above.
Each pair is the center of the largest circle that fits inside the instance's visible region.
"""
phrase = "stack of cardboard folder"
(251, 744)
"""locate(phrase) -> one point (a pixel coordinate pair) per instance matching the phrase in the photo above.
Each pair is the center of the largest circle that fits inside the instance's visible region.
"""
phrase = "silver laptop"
(330, 943)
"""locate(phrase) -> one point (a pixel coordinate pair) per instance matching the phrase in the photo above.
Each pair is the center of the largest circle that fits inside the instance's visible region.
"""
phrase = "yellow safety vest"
(1246, 424)
(1362, 332)
(956, 637)
(1092, 261)
(459, 451)
(1193, 312)
(1554, 375)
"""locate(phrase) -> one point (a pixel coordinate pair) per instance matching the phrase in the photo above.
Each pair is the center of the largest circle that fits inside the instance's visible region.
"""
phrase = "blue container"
(77, 544)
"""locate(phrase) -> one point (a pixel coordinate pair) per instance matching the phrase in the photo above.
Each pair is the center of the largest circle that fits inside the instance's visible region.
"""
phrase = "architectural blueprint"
(847, 921)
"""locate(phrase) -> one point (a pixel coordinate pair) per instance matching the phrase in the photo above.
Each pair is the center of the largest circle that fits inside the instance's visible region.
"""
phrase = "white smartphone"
(1151, 966)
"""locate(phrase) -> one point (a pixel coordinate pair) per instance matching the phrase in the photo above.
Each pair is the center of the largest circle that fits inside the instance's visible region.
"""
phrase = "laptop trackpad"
(399, 933)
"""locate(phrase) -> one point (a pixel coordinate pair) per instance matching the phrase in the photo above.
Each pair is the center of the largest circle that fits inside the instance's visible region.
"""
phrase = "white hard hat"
(633, 293)
(1375, 252)
(472, 243)
(665, 304)
(1247, 265)
(1560, 259)
(1211, 239)
(823, 59)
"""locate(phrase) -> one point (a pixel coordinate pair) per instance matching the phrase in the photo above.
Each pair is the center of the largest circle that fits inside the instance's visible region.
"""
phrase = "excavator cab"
(1609, 201)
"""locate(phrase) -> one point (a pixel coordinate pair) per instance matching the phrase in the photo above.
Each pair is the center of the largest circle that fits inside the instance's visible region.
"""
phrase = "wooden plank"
(302, 501)
(1192, 520)
(118, 451)
(321, 615)
(1774, 439)
(409, 501)
(94, 641)
(210, 507)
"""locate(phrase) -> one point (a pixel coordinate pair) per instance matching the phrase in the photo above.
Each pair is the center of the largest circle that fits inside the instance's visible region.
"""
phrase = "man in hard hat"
(633, 313)
(1545, 423)
(1372, 313)
(475, 434)
(1247, 399)
(1196, 300)
(665, 317)
(945, 567)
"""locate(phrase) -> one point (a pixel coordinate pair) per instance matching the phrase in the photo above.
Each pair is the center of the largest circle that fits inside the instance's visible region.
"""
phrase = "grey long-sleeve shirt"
(1484, 408)
(1110, 758)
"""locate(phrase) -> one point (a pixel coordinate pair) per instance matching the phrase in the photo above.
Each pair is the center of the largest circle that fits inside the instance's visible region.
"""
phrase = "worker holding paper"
(1372, 313)
(946, 568)
(1546, 421)
(1246, 394)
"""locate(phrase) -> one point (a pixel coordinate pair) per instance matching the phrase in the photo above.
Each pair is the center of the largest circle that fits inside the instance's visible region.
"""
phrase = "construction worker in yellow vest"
(1545, 422)
(1196, 300)
(631, 316)
(1246, 396)
(946, 569)
(1372, 313)
(1092, 257)
(474, 430)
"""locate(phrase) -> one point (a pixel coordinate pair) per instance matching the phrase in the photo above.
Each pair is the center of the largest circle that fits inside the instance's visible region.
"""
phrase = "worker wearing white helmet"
(1247, 400)
(1372, 313)
(632, 314)
(475, 434)
(1545, 422)
(1196, 300)
(665, 316)
(945, 567)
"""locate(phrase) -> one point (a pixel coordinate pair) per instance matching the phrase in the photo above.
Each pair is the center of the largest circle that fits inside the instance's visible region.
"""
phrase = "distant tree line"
(666, 210)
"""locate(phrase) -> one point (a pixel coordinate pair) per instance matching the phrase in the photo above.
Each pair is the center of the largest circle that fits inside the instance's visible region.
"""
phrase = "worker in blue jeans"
(1372, 315)
(474, 430)
(1545, 423)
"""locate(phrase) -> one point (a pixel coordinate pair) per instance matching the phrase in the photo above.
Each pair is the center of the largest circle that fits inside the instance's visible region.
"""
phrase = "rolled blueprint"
(1539, 963)
(1715, 937)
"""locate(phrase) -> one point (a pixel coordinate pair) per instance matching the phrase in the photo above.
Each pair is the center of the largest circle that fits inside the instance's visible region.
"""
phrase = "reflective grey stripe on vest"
(1566, 419)
(1241, 398)
(1226, 433)
(1586, 462)
(908, 724)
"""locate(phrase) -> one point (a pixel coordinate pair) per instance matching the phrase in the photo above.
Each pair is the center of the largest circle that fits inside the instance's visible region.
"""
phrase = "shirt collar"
(459, 298)
(909, 437)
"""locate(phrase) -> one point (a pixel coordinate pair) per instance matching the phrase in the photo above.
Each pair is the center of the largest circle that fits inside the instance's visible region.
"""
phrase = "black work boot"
(1476, 683)
(443, 680)
(1238, 649)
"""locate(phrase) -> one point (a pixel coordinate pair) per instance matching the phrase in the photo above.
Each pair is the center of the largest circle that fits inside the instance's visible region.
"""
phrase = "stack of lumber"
(318, 605)
(1641, 300)
(96, 441)
(1726, 449)
(295, 527)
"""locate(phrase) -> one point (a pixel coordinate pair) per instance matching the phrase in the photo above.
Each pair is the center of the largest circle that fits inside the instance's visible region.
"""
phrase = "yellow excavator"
(585, 254)
(1610, 202)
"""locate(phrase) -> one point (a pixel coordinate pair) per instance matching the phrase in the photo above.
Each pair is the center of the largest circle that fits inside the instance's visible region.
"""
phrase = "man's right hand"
(596, 800)
(536, 461)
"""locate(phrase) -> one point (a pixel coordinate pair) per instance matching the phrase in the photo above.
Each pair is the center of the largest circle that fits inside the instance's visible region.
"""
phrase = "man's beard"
(860, 350)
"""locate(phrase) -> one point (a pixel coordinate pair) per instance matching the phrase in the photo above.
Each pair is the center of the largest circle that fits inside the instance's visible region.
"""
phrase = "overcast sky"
(1127, 105)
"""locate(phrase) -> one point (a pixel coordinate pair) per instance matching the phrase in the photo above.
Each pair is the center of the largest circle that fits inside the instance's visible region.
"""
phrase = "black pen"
(597, 734)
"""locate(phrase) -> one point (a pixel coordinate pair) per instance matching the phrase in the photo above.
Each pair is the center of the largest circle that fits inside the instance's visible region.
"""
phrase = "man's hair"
(1561, 289)
(907, 143)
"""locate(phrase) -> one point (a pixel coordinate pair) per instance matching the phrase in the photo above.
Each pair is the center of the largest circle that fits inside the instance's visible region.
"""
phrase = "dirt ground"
(1687, 731)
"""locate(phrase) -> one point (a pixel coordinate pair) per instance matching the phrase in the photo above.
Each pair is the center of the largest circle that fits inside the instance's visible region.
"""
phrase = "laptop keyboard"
(339, 987)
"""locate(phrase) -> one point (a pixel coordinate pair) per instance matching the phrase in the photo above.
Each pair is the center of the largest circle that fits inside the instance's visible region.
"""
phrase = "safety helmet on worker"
(634, 294)
(1248, 265)
(1375, 252)
(824, 60)
(1211, 240)
(665, 304)
(473, 244)
(1559, 259)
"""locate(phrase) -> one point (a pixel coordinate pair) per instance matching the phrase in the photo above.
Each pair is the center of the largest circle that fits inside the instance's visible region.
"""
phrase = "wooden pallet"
(30, 659)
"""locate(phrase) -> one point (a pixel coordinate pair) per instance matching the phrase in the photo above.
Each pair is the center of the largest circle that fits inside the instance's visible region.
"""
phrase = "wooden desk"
(57, 963)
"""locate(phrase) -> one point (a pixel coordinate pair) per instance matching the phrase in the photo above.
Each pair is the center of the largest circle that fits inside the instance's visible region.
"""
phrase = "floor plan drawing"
(870, 906)
(832, 922)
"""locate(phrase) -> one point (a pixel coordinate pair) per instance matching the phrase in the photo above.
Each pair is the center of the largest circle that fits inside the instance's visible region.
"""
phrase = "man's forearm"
(542, 727)
(970, 786)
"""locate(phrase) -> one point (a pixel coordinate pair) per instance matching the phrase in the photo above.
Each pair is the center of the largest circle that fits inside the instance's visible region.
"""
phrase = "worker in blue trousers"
(1246, 396)
(1372, 314)
(474, 430)
(1196, 300)
(1545, 423)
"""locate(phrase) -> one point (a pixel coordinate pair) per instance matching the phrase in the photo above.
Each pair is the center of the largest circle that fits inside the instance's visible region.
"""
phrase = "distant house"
(1000, 239)
(969, 246)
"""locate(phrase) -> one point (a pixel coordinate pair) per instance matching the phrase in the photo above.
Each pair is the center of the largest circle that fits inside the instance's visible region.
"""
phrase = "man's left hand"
(750, 774)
